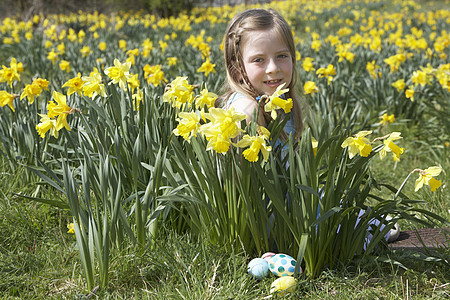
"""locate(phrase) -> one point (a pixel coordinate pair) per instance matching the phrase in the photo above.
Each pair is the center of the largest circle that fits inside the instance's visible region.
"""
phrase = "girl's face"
(267, 61)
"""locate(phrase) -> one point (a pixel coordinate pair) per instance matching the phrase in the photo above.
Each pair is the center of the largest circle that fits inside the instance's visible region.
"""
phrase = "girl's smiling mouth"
(274, 82)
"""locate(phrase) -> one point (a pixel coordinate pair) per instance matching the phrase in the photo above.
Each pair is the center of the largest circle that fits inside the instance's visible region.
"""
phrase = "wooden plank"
(432, 238)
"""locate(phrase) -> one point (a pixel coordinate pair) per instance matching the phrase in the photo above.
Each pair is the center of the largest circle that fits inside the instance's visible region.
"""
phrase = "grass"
(39, 259)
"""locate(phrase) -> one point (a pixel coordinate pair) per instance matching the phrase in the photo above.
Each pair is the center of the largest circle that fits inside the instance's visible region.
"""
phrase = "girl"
(259, 55)
(259, 52)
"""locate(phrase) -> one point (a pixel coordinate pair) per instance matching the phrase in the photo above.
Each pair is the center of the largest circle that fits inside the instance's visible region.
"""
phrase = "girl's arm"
(248, 106)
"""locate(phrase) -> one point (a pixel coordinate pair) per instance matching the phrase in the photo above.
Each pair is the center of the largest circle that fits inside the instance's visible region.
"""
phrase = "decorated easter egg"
(267, 256)
(282, 265)
(283, 285)
(258, 268)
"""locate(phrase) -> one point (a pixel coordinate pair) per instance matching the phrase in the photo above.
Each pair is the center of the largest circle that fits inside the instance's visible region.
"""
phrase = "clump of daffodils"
(220, 127)
(360, 144)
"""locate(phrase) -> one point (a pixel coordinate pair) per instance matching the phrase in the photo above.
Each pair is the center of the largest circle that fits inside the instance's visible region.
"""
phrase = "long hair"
(238, 29)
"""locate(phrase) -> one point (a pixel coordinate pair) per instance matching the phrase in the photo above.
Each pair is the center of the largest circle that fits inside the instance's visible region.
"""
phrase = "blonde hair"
(238, 28)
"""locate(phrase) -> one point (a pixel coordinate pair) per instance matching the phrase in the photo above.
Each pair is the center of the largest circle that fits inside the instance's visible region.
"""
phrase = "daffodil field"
(116, 114)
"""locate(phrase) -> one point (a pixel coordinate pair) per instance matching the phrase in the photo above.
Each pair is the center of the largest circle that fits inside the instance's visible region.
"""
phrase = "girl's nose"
(272, 66)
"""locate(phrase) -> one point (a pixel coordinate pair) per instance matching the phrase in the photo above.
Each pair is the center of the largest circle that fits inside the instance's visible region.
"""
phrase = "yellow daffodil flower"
(45, 125)
(59, 110)
(205, 98)
(223, 126)
(420, 77)
(163, 45)
(308, 64)
(137, 98)
(64, 65)
(75, 85)
(71, 228)
(399, 85)
(172, 61)
(372, 69)
(102, 46)
(275, 102)
(6, 98)
(34, 89)
(310, 87)
(409, 93)
(257, 144)
(395, 61)
(207, 67)
(179, 93)
(427, 177)
(389, 146)
(315, 144)
(188, 125)
(85, 51)
(154, 74)
(93, 85)
(358, 144)
(123, 45)
(12, 73)
(385, 118)
(119, 73)
(327, 72)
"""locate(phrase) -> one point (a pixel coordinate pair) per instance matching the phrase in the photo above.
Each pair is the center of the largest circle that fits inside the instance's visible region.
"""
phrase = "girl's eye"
(257, 60)
(283, 56)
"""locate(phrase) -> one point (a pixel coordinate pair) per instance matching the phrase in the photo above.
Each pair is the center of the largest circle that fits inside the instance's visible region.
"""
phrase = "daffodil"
(205, 98)
(6, 98)
(226, 120)
(31, 91)
(85, 51)
(310, 87)
(207, 67)
(46, 124)
(154, 74)
(64, 65)
(163, 45)
(133, 82)
(123, 45)
(399, 85)
(394, 61)
(93, 85)
(188, 125)
(102, 46)
(223, 126)
(137, 98)
(315, 144)
(147, 46)
(372, 69)
(427, 177)
(385, 118)
(276, 102)
(420, 77)
(179, 92)
(71, 228)
(119, 73)
(409, 93)
(389, 146)
(60, 109)
(172, 61)
(75, 85)
(315, 45)
(308, 64)
(257, 144)
(12, 73)
(358, 144)
(52, 56)
(327, 72)
(34, 89)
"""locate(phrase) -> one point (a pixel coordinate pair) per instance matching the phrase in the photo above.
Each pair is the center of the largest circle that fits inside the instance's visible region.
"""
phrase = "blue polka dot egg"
(282, 265)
